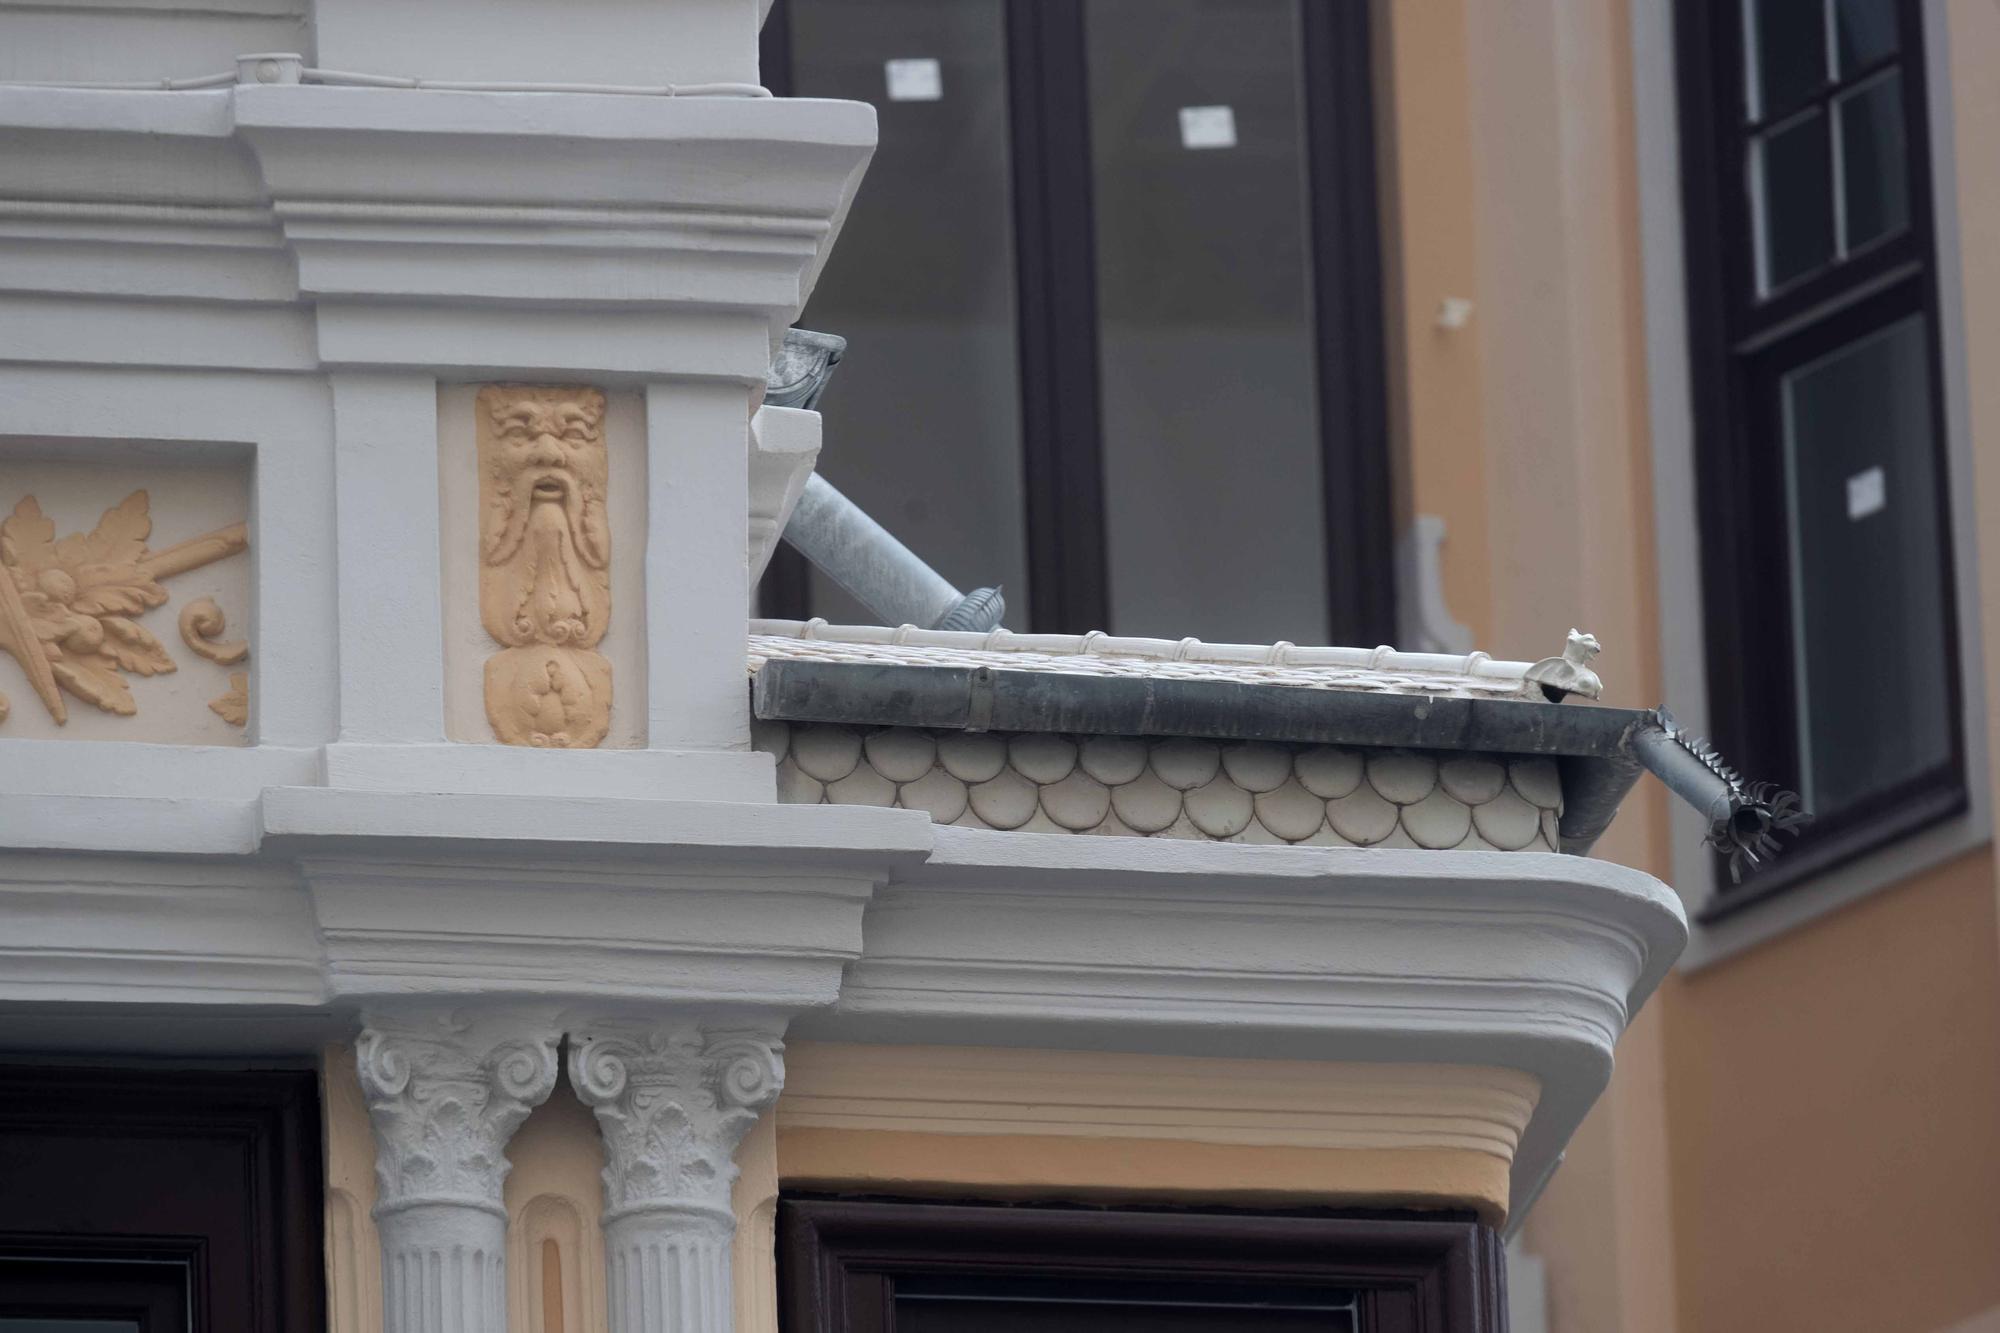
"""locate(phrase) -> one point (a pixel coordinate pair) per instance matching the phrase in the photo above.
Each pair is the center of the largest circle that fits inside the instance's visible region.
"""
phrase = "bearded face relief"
(545, 556)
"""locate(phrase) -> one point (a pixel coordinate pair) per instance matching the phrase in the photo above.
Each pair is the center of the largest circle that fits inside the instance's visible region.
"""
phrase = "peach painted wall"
(1834, 1106)
(1807, 1135)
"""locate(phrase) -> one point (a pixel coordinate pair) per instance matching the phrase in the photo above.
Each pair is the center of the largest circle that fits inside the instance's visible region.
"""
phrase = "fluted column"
(446, 1089)
(673, 1100)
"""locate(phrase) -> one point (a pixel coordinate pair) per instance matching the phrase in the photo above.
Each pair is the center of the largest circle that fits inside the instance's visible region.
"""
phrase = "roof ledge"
(1530, 962)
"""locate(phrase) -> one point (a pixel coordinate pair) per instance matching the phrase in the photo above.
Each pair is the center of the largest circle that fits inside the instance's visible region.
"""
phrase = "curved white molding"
(1115, 1095)
(674, 1100)
(1528, 962)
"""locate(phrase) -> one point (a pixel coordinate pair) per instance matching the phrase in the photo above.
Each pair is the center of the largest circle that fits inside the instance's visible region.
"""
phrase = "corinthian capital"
(446, 1089)
(673, 1101)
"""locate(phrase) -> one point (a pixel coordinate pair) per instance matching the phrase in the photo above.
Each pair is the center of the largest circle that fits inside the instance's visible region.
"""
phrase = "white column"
(673, 1100)
(446, 1090)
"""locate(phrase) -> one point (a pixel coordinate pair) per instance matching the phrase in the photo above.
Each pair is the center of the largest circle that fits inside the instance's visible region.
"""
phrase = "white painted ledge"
(874, 924)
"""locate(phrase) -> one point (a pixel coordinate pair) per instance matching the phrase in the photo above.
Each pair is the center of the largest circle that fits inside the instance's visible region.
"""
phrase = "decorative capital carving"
(673, 1101)
(446, 1090)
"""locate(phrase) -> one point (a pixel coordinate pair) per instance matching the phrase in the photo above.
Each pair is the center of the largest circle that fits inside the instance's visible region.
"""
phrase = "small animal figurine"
(1569, 674)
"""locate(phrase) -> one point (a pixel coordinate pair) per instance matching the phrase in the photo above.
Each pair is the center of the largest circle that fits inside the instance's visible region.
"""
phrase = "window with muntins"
(1822, 475)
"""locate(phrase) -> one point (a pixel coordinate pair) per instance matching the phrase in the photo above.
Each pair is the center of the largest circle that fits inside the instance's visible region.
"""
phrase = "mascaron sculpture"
(545, 564)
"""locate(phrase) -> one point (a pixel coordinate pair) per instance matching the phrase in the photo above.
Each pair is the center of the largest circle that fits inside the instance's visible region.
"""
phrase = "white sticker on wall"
(916, 80)
(1208, 127)
(1867, 493)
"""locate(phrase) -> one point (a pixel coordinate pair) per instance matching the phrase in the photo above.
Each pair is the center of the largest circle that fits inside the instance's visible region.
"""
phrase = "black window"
(1113, 297)
(862, 1266)
(1826, 547)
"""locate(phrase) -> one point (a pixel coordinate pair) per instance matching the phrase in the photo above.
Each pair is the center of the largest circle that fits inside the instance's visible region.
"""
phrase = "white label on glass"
(1867, 493)
(1208, 127)
(918, 80)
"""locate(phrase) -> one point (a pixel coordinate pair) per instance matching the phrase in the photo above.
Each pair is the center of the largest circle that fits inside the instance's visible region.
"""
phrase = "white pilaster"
(446, 1089)
(673, 1100)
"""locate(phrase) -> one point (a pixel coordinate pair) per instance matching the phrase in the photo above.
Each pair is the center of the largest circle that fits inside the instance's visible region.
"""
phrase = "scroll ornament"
(545, 571)
(69, 607)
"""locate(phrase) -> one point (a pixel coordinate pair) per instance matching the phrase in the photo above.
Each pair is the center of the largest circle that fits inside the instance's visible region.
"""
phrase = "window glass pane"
(1867, 576)
(1206, 345)
(1864, 32)
(1791, 184)
(922, 420)
(1786, 43)
(1874, 182)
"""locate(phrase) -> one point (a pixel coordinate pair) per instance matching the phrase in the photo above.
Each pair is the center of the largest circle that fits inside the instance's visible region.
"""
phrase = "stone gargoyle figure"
(545, 563)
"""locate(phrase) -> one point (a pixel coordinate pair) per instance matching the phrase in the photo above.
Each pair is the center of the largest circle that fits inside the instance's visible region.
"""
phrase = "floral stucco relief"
(70, 606)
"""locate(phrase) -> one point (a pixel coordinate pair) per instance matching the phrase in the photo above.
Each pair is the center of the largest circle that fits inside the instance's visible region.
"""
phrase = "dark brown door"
(151, 1201)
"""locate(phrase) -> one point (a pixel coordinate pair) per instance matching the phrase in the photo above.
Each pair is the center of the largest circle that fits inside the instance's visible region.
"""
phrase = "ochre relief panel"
(543, 532)
(124, 601)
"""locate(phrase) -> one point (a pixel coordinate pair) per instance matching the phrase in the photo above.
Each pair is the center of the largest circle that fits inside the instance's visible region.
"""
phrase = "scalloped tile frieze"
(1250, 792)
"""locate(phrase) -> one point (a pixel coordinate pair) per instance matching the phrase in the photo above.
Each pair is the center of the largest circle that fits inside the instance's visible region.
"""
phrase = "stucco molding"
(1107, 1095)
(312, 227)
(1533, 963)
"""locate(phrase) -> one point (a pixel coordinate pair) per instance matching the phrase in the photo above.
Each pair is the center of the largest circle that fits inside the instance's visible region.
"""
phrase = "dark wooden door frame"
(79, 1181)
(839, 1259)
(1062, 455)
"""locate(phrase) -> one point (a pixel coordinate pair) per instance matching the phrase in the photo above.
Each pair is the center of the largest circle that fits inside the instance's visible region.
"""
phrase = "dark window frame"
(1740, 345)
(252, 1248)
(838, 1259)
(1062, 458)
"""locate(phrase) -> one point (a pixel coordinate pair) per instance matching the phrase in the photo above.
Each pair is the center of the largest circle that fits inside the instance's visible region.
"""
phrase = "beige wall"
(1834, 1098)
(1807, 1135)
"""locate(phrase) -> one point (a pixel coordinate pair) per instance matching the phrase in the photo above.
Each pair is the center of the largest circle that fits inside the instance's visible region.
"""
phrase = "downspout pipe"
(837, 535)
(1744, 819)
(878, 571)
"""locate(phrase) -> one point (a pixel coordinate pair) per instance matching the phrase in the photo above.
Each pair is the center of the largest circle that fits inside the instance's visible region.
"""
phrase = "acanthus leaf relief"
(545, 563)
(69, 606)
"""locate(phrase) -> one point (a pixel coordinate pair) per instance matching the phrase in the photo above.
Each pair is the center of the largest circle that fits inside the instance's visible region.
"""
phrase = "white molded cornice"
(756, 904)
(1524, 961)
(469, 232)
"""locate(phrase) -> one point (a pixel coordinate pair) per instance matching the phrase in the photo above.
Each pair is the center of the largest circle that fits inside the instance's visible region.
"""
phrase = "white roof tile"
(1372, 670)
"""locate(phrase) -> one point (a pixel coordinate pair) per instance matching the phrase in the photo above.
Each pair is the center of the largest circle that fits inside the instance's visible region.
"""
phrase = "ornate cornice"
(446, 1089)
(673, 1101)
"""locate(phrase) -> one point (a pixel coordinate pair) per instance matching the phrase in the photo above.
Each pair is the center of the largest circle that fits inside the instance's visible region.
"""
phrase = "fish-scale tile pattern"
(1130, 786)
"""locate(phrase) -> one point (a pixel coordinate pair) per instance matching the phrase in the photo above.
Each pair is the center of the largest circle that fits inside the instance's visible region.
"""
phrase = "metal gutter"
(1600, 752)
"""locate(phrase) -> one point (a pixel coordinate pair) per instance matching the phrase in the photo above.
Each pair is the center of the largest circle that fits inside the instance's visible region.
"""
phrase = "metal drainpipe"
(880, 572)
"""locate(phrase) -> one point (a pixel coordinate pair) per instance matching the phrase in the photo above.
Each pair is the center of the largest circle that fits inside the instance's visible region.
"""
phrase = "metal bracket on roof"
(1744, 819)
(802, 367)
